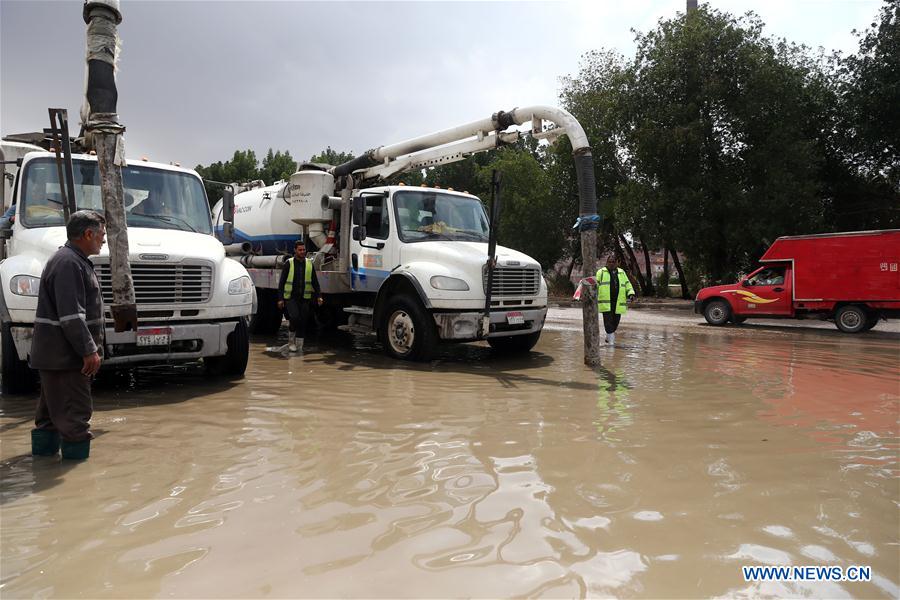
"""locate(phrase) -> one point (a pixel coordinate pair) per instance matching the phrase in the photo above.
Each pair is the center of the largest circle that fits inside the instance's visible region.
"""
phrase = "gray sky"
(198, 80)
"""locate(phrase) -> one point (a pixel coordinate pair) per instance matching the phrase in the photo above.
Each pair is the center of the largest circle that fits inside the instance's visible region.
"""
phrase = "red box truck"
(851, 278)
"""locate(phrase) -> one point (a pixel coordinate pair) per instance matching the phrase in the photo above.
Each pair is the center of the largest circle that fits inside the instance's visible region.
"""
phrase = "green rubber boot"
(44, 442)
(76, 450)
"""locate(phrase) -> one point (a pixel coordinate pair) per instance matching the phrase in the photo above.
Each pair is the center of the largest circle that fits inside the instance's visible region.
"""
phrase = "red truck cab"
(851, 278)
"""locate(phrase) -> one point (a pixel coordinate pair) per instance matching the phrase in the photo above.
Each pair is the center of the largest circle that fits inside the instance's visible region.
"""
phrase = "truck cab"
(192, 302)
(767, 291)
(421, 255)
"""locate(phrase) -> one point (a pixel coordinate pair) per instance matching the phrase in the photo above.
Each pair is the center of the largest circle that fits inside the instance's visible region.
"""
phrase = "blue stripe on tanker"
(263, 244)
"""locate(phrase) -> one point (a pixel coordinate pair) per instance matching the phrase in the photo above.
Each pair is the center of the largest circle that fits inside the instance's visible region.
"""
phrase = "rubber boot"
(607, 338)
(292, 342)
(612, 339)
(299, 345)
(76, 450)
(44, 442)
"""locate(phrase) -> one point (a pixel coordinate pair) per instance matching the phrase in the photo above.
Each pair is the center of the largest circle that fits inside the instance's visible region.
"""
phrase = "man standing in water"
(613, 289)
(68, 340)
(295, 294)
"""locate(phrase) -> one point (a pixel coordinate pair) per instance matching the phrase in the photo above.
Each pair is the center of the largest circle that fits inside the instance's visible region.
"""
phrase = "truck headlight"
(439, 282)
(25, 285)
(241, 285)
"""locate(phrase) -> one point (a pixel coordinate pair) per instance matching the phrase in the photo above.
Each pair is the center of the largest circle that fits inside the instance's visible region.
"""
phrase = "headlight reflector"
(25, 285)
(241, 285)
(439, 282)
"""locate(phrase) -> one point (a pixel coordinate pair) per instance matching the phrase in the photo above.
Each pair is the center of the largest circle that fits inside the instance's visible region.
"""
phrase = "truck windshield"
(154, 198)
(427, 216)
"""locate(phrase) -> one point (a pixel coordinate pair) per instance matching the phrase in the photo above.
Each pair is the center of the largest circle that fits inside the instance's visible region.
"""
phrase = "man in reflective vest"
(296, 289)
(613, 289)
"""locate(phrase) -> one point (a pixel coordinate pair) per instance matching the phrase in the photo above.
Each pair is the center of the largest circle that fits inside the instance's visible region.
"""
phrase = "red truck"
(850, 278)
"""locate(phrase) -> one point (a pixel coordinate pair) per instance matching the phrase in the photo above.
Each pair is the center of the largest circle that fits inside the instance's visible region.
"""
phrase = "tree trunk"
(685, 292)
(633, 264)
(648, 291)
(665, 277)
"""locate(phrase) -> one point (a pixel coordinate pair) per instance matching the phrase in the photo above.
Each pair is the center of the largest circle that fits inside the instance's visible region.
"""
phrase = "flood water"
(342, 473)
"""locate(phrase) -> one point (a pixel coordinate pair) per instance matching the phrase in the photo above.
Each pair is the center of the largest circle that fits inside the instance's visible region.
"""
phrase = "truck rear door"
(767, 291)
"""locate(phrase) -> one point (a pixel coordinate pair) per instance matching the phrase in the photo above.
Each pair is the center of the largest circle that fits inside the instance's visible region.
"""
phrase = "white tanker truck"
(412, 265)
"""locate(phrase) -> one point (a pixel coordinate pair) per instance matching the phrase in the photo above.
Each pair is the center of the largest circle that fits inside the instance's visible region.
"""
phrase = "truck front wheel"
(851, 319)
(234, 363)
(717, 312)
(18, 377)
(407, 330)
(514, 344)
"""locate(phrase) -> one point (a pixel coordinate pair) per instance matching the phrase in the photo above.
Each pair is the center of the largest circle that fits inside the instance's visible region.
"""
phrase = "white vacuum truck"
(413, 265)
(192, 301)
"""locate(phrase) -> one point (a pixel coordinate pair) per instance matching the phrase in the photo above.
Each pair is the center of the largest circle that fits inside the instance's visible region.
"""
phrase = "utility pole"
(103, 133)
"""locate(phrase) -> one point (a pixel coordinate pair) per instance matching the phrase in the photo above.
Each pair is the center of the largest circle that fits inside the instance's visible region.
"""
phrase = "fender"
(398, 278)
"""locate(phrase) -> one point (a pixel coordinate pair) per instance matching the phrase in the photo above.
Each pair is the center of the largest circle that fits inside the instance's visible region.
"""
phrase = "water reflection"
(342, 473)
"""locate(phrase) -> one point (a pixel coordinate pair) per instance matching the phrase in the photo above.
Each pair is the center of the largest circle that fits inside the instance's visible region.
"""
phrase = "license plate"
(159, 336)
(515, 318)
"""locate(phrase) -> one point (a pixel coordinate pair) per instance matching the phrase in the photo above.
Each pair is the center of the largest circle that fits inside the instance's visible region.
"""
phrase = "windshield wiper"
(168, 219)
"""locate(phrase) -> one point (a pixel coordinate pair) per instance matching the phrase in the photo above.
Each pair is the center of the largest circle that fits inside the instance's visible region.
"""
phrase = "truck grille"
(513, 282)
(162, 283)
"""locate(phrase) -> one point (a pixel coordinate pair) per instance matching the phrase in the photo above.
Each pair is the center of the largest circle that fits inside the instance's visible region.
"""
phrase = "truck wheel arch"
(399, 282)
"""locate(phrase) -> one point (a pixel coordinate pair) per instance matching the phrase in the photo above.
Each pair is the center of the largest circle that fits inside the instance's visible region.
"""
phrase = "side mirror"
(359, 232)
(359, 210)
(228, 204)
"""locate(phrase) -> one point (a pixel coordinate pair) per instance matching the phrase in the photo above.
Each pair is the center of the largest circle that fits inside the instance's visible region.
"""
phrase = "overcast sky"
(198, 80)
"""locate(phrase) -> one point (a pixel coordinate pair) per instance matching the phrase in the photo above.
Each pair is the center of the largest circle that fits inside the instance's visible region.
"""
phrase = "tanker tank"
(271, 218)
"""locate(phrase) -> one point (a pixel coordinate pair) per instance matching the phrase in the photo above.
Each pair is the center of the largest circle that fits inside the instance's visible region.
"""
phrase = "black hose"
(587, 186)
(360, 162)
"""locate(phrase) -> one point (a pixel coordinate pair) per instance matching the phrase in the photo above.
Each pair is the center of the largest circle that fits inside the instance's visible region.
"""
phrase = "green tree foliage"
(532, 220)
(277, 166)
(332, 157)
(863, 149)
(244, 167)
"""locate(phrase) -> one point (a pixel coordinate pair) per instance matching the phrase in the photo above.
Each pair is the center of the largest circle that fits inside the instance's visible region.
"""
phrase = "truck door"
(767, 291)
(372, 259)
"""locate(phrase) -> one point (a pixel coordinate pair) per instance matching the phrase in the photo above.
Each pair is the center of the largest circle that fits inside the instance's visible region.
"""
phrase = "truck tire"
(717, 312)
(17, 376)
(267, 320)
(407, 331)
(514, 344)
(234, 363)
(851, 318)
(871, 321)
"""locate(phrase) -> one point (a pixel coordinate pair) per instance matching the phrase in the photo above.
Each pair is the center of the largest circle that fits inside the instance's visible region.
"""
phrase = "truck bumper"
(461, 326)
(186, 342)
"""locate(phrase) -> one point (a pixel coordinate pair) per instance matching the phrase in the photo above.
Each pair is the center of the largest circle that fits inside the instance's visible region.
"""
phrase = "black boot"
(76, 450)
(44, 442)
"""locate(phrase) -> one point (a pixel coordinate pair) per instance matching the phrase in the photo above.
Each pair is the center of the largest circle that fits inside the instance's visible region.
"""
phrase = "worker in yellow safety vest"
(613, 289)
(296, 288)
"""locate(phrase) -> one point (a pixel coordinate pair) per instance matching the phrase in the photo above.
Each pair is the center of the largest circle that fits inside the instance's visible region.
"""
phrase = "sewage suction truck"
(414, 266)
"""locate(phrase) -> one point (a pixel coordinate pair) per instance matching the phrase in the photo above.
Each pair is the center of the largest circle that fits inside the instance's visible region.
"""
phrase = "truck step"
(358, 329)
(359, 310)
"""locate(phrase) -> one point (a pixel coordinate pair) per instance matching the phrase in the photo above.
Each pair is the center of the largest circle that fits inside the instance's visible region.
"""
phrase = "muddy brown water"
(342, 473)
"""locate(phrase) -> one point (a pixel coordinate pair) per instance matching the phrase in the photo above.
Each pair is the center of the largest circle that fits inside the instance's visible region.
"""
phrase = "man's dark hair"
(83, 220)
(299, 243)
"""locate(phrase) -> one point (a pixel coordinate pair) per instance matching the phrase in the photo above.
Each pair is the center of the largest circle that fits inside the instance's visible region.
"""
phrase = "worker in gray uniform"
(68, 341)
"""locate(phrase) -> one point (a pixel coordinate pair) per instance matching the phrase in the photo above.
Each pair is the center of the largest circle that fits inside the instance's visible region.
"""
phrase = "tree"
(242, 167)
(532, 220)
(277, 166)
(332, 157)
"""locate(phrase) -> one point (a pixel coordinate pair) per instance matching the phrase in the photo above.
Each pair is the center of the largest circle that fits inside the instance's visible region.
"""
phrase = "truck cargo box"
(857, 266)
